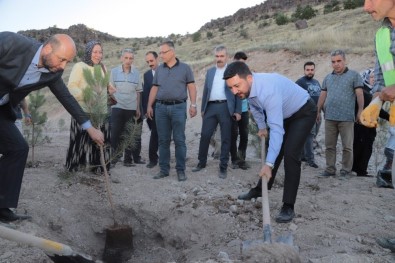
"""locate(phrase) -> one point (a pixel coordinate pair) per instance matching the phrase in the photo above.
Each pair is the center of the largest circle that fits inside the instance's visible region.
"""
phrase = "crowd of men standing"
(288, 114)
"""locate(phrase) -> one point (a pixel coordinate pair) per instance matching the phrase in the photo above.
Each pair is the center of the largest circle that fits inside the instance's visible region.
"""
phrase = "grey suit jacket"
(234, 102)
(16, 54)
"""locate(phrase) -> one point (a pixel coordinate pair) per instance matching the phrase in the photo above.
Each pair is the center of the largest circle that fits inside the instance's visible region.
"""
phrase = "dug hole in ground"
(201, 220)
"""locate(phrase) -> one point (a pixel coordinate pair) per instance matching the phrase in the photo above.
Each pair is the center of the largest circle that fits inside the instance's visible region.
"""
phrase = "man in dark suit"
(219, 106)
(25, 66)
(151, 57)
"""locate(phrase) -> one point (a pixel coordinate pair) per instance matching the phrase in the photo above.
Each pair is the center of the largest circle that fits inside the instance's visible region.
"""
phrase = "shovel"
(264, 249)
(57, 252)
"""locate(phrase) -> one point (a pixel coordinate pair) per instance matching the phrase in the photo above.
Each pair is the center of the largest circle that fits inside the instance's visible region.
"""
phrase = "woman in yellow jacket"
(80, 142)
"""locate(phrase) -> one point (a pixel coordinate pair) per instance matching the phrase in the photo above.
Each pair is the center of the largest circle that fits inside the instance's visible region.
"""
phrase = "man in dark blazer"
(219, 106)
(151, 57)
(25, 66)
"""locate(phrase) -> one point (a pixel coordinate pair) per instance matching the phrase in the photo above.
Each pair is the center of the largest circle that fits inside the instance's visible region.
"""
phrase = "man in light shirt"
(279, 104)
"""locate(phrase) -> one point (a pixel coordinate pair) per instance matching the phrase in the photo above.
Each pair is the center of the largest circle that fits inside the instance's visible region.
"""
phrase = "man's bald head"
(57, 51)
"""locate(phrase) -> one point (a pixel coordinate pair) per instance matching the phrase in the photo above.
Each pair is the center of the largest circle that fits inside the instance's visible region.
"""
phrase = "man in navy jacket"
(219, 106)
(27, 65)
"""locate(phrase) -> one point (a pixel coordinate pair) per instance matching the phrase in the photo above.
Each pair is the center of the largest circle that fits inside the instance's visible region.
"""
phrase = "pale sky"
(120, 18)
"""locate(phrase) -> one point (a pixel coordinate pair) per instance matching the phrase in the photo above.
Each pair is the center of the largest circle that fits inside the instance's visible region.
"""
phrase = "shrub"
(196, 37)
(244, 33)
(282, 19)
(263, 24)
(331, 7)
(306, 12)
(209, 35)
(352, 4)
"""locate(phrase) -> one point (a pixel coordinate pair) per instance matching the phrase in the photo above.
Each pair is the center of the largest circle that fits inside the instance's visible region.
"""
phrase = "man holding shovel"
(384, 73)
(27, 65)
(290, 114)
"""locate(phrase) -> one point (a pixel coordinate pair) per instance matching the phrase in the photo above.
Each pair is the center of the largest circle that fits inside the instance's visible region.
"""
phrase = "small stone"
(292, 227)
(223, 256)
(233, 208)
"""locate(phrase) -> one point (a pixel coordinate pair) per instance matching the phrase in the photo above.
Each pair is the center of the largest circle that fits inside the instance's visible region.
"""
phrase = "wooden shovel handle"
(265, 195)
(45, 244)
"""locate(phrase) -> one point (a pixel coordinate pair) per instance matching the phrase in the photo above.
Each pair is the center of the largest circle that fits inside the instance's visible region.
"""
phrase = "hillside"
(200, 220)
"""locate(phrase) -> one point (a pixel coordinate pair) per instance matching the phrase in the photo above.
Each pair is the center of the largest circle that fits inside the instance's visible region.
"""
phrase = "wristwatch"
(269, 164)
(193, 105)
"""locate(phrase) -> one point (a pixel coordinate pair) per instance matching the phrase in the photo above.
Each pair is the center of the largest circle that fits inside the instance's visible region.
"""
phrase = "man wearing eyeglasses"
(172, 82)
(27, 65)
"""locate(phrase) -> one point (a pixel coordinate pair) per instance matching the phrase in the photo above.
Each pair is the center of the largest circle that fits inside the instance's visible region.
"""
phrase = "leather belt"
(170, 102)
(217, 101)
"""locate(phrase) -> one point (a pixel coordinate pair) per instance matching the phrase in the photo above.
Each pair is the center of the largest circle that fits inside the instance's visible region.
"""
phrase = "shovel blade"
(286, 239)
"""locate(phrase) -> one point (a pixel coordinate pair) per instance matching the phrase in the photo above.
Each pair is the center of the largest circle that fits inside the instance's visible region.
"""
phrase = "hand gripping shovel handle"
(267, 232)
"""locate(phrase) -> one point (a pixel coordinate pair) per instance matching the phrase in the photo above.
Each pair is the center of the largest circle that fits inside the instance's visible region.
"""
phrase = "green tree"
(95, 100)
(34, 133)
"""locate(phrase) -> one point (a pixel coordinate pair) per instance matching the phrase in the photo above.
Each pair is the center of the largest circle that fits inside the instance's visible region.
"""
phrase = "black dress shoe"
(160, 175)
(139, 162)
(181, 176)
(128, 164)
(243, 165)
(387, 243)
(151, 164)
(198, 167)
(253, 193)
(6, 215)
(222, 173)
(286, 215)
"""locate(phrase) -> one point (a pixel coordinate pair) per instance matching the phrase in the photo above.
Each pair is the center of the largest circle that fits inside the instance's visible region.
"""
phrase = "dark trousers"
(297, 128)
(239, 128)
(362, 148)
(119, 121)
(216, 113)
(153, 141)
(14, 150)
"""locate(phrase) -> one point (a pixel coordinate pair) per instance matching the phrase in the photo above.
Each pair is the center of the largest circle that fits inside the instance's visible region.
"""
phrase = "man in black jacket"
(27, 65)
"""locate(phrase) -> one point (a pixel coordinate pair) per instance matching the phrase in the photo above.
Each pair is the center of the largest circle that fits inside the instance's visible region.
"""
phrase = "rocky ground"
(201, 220)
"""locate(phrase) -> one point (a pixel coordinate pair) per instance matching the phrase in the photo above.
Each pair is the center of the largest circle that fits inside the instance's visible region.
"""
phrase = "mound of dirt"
(201, 220)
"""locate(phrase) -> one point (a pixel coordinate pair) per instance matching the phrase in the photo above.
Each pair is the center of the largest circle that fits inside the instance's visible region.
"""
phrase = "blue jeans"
(171, 119)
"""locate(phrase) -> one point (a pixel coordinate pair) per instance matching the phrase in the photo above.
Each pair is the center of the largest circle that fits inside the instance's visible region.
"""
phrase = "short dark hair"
(168, 43)
(240, 55)
(153, 53)
(308, 63)
(237, 68)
